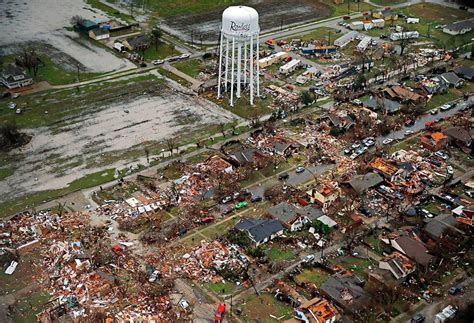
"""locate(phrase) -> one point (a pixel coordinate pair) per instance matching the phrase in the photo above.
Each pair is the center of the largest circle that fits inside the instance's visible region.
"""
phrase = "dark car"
(463, 8)
(454, 291)
(365, 211)
(418, 318)
(256, 199)
(227, 210)
(434, 162)
(283, 176)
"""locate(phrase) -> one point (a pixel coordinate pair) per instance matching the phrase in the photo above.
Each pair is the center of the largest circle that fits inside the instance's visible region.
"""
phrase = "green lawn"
(221, 288)
(191, 67)
(343, 9)
(5, 172)
(440, 99)
(162, 51)
(38, 198)
(321, 33)
(215, 231)
(242, 106)
(29, 306)
(272, 170)
(357, 265)
(109, 10)
(55, 75)
(173, 77)
(313, 275)
(276, 254)
(259, 308)
(375, 243)
(388, 2)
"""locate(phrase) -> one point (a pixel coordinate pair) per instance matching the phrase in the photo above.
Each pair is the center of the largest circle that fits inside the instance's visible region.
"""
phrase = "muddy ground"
(273, 14)
(94, 138)
(44, 21)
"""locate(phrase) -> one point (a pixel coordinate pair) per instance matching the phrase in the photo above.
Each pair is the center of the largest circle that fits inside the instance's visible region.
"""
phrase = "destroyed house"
(344, 122)
(324, 195)
(402, 95)
(361, 183)
(384, 104)
(292, 217)
(283, 148)
(385, 169)
(458, 136)
(437, 227)
(345, 290)
(316, 310)
(434, 141)
(466, 72)
(260, 230)
(219, 165)
(451, 79)
(99, 33)
(14, 77)
(246, 155)
(399, 265)
(137, 42)
(410, 245)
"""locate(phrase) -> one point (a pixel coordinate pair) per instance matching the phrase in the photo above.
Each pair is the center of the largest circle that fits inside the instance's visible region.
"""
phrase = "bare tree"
(222, 128)
(171, 144)
(156, 34)
(76, 20)
(30, 60)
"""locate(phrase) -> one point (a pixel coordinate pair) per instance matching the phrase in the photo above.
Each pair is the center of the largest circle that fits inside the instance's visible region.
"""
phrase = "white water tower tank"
(238, 52)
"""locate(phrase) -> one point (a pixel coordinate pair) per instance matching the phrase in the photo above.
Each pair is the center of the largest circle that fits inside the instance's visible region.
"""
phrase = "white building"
(346, 39)
(357, 25)
(413, 20)
(459, 28)
(272, 59)
(378, 23)
(364, 43)
(404, 35)
(290, 66)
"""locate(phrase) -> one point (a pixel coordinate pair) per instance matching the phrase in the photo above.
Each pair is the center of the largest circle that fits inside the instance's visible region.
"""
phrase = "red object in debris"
(346, 17)
(290, 87)
(207, 219)
(117, 249)
(365, 14)
(429, 124)
(219, 316)
(388, 8)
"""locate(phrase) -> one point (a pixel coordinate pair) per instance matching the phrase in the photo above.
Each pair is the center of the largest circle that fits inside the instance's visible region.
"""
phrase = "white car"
(442, 155)
(449, 198)
(157, 62)
(185, 55)
(409, 132)
(450, 170)
(387, 141)
(355, 145)
(427, 213)
(154, 276)
(12, 105)
(307, 259)
(445, 107)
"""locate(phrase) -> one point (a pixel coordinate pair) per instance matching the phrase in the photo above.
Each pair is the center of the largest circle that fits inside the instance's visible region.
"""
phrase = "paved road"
(420, 123)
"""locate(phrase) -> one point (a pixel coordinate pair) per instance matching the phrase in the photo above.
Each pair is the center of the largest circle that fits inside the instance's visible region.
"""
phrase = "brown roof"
(458, 133)
(402, 93)
(414, 249)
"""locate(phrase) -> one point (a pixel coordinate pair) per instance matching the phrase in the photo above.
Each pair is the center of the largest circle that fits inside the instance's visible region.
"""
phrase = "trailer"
(357, 25)
(364, 43)
(318, 50)
(346, 39)
(272, 59)
(290, 66)
(378, 23)
(404, 35)
(413, 20)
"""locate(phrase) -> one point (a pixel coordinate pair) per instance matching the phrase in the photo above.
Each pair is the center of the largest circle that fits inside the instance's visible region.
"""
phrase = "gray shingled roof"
(259, 229)
(361, 183)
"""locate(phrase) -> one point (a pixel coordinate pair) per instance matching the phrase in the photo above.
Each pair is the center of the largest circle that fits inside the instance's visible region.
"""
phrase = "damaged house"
(260, 230)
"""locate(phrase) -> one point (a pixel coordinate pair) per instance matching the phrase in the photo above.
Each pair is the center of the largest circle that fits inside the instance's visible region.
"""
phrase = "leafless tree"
(222, 128)
(29, 59)
(171, 144)
(76, 20)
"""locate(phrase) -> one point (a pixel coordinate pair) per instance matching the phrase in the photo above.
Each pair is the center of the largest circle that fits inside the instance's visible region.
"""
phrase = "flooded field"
(91, 140)
(273, 14)
(44, 21)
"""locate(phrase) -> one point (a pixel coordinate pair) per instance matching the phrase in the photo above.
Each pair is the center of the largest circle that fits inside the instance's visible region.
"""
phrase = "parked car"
(241, 205)
(434, 162)
(283, 176)
(154, 276)
(256, 199)
(470, 194)
(355, 145)
(348, 151)
(307, 259)
(418, 318)
(434, 111)
(442, 154)
(185, 55)
(157, 62)
(427, 214)
(450, 170)
(454, 291)
(387, 141)
(409, 132)
(409, 123)
(448, 198)
(207, 219)
(227, 210)
(357, 102)
(299, 169)
(445, 107)
(227, 199)
(365, 211)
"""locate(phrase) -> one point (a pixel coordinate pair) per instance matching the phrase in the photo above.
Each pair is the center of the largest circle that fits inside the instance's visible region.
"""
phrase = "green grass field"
(221, 288)
(276, 254)
(321, 33)
(313, 275)
(259, 308)
(109, 10)
(191, 67)
(162, 51)
(388, 2)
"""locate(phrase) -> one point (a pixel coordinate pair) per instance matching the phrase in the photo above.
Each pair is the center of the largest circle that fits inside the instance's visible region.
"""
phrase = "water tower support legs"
(232, 74)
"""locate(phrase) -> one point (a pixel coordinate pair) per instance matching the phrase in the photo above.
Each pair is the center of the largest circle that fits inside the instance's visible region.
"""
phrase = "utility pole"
(192, 36)
(78, 76)
(429, 29)
(348, 7)
(281, 23)
(329, 38)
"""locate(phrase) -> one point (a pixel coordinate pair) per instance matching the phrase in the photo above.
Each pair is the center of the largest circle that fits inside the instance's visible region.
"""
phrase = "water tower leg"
(220, 69)
(226, 63)
(245, 63)
(251, 70)
(258, 67)
(239, 67)
(232, 74)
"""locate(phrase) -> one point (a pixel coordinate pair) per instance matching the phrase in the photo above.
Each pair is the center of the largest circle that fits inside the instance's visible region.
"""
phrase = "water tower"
(238, 53)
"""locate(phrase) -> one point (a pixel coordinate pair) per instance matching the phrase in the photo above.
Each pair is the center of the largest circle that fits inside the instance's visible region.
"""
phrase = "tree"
(76, 20)
(156, 34)
(404, 41)
(306, 97)
(222, 128)
(360, 82)
(240, 238)
(30, 60)
(171, 144)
